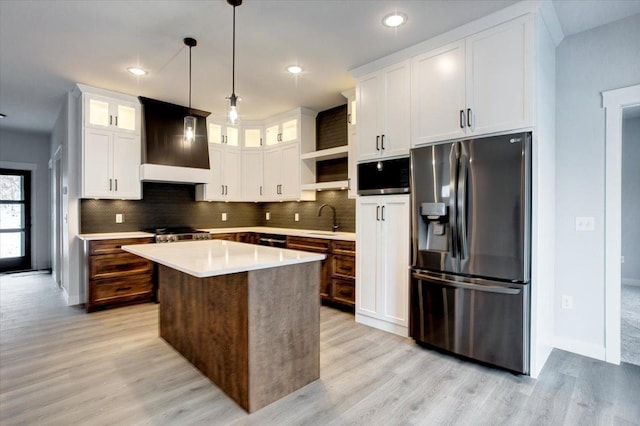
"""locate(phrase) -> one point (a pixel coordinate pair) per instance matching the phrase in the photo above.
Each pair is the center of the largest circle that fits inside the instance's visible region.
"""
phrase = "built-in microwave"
(384, 177)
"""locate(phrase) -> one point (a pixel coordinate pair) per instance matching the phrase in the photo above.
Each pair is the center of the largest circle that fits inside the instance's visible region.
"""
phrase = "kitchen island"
(247, 316)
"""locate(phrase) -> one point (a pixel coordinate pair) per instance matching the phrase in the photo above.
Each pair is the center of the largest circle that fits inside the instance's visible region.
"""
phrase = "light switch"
(296, 217)
(268, 216)
(119, 218)
(585, 223)
(224, 217)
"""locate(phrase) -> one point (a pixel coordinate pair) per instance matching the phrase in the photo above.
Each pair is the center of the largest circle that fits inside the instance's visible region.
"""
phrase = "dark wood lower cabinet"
(115, 277)
(337, 283)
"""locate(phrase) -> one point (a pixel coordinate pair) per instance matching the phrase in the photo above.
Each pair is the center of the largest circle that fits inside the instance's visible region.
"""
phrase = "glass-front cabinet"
(106, 113)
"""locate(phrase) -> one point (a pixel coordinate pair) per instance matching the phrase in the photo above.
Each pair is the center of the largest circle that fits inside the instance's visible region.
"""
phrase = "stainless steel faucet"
(335, 221)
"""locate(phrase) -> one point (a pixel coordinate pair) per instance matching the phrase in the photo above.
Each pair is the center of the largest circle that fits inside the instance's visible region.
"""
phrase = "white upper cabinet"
(252, 137)
(222, 134)
(102, 112)
(111, 144)
(500, 78)
(224, 179)
(382, 101)
(478, 85)
(252, 179)
(438, 82)
(282, 130)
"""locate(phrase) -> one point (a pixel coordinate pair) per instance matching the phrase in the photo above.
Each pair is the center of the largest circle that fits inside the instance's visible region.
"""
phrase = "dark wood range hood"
(166, 157)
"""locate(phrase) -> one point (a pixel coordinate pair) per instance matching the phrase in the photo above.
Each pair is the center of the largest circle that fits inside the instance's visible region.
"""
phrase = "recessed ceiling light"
(395, 19)
(137, 71)
(294, 69)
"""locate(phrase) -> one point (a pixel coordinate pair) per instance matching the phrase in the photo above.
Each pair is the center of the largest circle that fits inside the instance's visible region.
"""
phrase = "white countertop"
(217, 257)
(309, 233)
(114, 235)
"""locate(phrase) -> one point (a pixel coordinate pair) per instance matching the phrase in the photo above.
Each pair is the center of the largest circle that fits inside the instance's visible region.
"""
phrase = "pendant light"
(190, 120)
(232, 113)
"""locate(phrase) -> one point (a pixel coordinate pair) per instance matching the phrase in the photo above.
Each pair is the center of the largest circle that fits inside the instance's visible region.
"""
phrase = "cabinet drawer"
(118, 265)
(112, 290)
(316, 245)
(228, 236)
(344, 266)
(344, 291)
(113, 246)
(344, 247)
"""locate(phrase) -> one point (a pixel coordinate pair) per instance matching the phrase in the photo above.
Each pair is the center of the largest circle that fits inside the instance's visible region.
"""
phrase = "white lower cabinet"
(382, 261)
(224, 183)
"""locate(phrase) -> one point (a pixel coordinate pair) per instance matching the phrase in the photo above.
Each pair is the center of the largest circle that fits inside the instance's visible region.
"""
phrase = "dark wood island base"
(255, 334)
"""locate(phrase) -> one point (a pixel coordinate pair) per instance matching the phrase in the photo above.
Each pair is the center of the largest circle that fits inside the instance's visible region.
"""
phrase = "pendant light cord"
(233, 56)
(190, 80)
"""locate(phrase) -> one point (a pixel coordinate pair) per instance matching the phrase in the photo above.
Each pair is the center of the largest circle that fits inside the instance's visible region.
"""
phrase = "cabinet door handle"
(260, 141)
(462, 119)
(110, 120)
(116, 121)
(377, 212)
(226, 190)
(221, 189)
(116, 186)
(123, 288)
(110, 184)
(261, 190)
(469, 117)
(377, 142)
(382, 217)
(382, 142)
(349, 118)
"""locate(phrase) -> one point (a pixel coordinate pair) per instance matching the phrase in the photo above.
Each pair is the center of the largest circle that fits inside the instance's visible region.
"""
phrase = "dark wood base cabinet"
(338, 277)
(115, 277)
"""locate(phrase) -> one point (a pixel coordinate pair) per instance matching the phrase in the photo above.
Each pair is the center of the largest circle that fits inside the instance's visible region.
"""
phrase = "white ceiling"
(47, 46)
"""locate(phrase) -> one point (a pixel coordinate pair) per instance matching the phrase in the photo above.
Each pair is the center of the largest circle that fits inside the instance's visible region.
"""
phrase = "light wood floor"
(60, 366)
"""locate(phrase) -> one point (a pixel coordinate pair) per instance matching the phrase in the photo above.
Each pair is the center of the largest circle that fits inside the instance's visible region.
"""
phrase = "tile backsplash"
(166, 205)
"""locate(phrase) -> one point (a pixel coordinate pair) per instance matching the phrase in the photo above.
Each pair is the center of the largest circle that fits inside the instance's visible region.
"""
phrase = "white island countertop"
(217, 257)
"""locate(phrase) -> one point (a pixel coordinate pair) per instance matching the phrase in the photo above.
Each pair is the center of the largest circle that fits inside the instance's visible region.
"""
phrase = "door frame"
(33, 168)
(614, 101)
(56, 216)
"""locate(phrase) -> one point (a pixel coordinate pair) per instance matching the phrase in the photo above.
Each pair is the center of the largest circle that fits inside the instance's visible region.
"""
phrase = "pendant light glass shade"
(190, 128)
(190, 121)
(233, 116)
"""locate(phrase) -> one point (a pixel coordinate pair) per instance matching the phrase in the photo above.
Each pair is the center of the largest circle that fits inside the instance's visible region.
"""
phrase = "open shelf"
(338, 184)
(327, 154)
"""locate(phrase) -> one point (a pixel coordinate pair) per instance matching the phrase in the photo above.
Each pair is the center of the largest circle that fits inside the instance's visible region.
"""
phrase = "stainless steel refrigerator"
(471, 228)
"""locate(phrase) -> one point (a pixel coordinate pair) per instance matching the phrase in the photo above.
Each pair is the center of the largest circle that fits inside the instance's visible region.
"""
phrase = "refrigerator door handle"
(463, 173)
(468, 286)
(453, 210)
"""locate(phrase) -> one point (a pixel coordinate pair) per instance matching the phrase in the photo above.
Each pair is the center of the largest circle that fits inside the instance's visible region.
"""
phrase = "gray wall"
(631, 200)
(33, 149)
(584, 68)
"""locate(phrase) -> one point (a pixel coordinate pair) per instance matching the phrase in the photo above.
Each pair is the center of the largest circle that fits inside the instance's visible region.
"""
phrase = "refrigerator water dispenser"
(433, 228)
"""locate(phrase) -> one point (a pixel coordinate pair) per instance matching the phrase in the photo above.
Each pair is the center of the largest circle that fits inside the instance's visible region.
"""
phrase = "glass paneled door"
(15, 220)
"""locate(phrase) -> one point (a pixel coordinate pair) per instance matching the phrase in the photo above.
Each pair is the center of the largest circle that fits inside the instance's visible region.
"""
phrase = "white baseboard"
(631, 281)
(400, 330)
(580, 348)
(71, 300)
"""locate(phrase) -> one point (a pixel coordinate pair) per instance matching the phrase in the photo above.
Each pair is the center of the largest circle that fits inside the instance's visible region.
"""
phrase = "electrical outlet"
(268, 216)
(296, 217)
(224, 217)
(586, 223)
(567, 302)
(119, 218)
